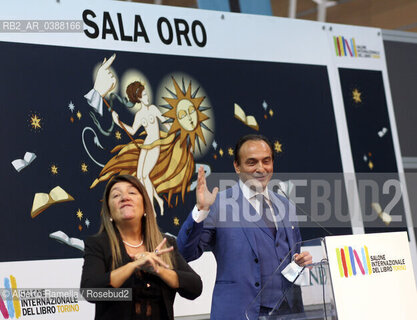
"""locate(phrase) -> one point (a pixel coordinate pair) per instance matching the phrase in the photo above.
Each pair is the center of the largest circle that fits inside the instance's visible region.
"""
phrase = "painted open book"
(20, 164)
(62, 237)
(250, 121)
(42, 201)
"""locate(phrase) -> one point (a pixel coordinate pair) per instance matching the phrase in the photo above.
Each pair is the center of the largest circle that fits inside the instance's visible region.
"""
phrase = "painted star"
(79, 115)
(230, 151)
(356, 95)
(221, 152)
(35, 122)
(80, 227)
(72, 119)
(79, 214)
(264, 105)
(118, 135)
(370, 165)
(84, 167)
(277, 146)
(54, 169)
(87, 223)
(71, 106)
(176, 221)
(215, 157)
(271, 112)
(214, 144)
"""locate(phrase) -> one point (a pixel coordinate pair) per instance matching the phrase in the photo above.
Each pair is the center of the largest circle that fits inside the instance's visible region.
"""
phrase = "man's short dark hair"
(252, 137)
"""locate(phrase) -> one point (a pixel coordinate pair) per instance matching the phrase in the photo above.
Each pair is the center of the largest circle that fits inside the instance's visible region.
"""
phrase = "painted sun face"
(187, 118)
(187, 115)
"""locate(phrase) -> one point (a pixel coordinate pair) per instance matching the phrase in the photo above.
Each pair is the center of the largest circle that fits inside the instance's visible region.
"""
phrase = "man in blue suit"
(247, 227)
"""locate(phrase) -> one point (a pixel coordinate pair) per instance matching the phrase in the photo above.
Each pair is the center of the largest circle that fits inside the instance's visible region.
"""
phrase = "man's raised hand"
(205, 198)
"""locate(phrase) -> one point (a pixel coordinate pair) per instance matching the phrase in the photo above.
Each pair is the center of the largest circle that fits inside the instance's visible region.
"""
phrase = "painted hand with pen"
(105, 80)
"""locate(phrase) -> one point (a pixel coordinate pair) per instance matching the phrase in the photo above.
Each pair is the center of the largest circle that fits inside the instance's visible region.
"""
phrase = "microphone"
(303, 211)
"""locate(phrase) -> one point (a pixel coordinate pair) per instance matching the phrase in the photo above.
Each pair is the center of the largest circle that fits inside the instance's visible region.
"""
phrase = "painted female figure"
(147, 117)
(161, 160)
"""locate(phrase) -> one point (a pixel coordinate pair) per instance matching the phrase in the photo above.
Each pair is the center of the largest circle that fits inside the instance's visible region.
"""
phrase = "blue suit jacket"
(231, 237)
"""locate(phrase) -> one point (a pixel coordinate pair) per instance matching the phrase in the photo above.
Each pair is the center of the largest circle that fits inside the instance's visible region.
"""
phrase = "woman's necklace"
(133, 245)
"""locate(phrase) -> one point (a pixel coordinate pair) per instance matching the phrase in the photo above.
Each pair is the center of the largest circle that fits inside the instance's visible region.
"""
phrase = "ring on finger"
(156, 251)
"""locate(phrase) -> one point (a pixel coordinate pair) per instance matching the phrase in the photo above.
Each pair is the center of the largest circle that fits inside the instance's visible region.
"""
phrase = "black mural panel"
(44, 112)
(371, 140)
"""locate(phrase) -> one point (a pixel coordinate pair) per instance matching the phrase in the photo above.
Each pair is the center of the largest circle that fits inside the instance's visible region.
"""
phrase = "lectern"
(367, 276)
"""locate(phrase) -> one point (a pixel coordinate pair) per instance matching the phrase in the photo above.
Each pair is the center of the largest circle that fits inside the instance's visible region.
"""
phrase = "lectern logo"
(348, 259)
(9, 305)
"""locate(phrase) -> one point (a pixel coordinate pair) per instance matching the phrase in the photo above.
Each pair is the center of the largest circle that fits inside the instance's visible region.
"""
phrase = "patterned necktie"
(266, 214)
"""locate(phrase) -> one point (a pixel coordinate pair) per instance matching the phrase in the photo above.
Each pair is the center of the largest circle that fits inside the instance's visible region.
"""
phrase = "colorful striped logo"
(349, 258)
(344, 46)
(10, 306)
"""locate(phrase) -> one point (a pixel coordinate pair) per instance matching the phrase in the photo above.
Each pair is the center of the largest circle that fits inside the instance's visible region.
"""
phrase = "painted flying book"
(42, 201)
(62, 237)
(250, 121)
(20, 164)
